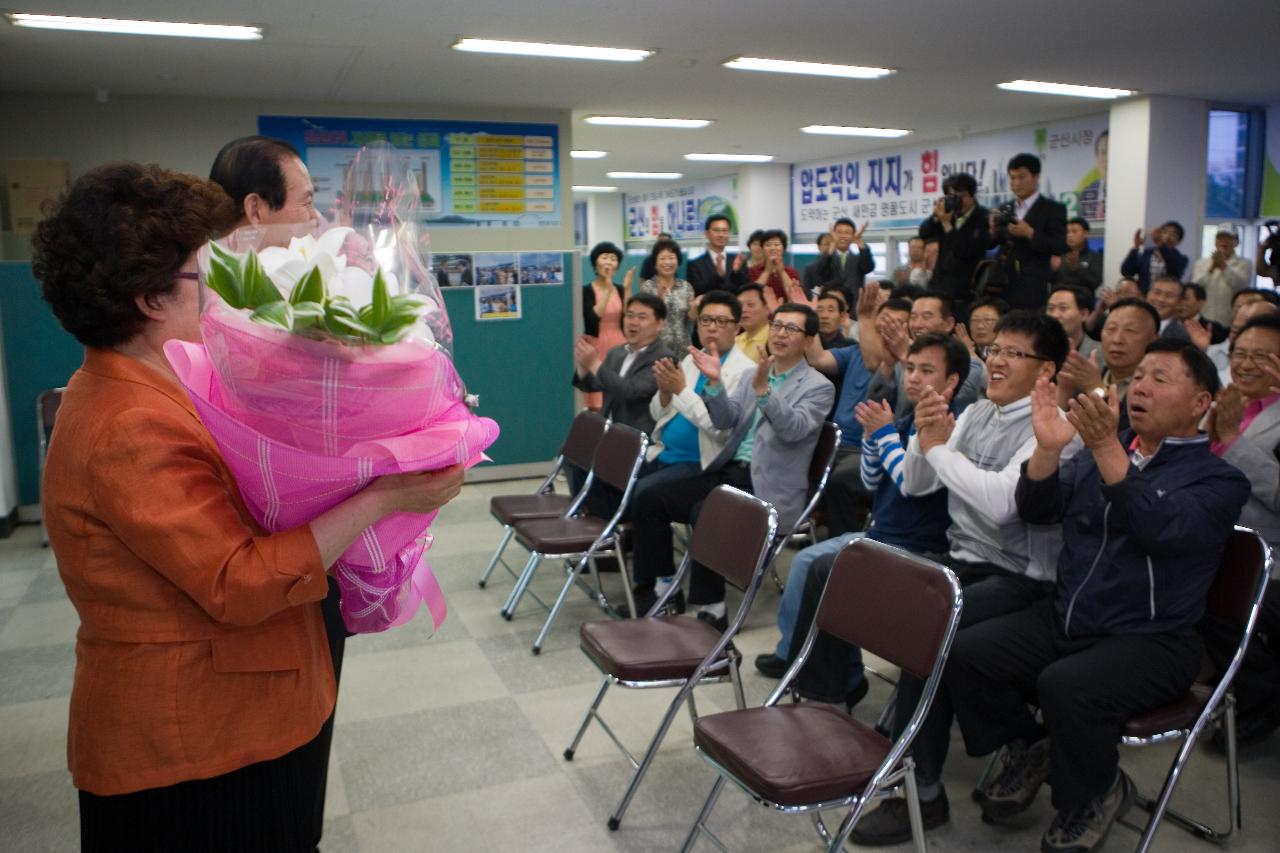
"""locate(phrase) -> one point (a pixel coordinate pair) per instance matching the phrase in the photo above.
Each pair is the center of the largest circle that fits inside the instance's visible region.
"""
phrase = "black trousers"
(1257, 682)
(846, 502)
(826, 675)
(1086, 689)
(678, 500)
(989, 591)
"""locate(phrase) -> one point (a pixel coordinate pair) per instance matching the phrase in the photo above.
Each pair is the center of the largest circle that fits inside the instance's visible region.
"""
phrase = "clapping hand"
(708, 362)
(873, 416)
(1094, 418)
(669, 376)
(962, 335)
(894, 334)
(1080, 375)
(1198, 332)
(1227, 413)
(628, 279)
(1053, 433)
(760, 382)
(584, 354)
(934, 421)
(868, 301)
(1272, 369)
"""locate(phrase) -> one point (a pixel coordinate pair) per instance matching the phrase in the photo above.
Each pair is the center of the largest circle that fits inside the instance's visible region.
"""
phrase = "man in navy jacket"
(1145, 518)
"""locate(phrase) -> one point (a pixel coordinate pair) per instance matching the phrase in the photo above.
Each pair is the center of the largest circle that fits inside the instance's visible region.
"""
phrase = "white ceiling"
(949, 56)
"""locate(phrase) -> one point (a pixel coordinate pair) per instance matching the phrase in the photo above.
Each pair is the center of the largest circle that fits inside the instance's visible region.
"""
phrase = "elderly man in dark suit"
(625, 374)
(841, 268)
(1030, 231)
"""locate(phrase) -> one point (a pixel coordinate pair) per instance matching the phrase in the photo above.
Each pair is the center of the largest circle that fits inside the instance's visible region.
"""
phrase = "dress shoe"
(770, 665)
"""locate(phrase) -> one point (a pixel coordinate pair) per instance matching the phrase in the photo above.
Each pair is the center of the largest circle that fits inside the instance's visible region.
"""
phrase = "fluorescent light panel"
(841, 130)
(1068, 89)
(591, 188)
(135, 28)
(645, 176)
(640, 121)
(588, 155)
(731, 158)
(791, 66)
(551, 51)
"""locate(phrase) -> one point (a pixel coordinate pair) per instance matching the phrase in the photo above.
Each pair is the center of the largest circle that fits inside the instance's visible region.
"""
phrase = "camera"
(951, 203)
(1006, 214)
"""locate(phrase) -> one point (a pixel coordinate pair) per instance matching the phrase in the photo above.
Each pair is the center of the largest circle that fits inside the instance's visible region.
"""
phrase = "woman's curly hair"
(122, 231)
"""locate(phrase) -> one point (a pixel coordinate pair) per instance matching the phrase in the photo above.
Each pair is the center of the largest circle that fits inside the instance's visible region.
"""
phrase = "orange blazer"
(201, 647)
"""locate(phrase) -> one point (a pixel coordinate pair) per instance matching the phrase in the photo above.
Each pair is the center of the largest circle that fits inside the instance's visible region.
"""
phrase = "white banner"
(681, 210)
(897, 188)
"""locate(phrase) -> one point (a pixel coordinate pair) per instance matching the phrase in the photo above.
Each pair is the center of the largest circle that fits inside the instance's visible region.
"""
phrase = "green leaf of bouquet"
(310, 288)
(226, 257)
(258, 289)
(310, 310)
(381, 302)
(278, 313)
(354, 326)
(223, 281)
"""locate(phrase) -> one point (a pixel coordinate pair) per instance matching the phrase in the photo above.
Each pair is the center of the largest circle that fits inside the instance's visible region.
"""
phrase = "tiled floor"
(454, 742)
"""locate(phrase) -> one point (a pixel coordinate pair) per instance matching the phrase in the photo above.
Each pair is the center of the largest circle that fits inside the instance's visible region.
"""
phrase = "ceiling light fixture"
(731, 158)
(639, 121)
(791, 66)
(550, 51)
(1069, 89)
(591, 188)
(134, 28)
(644, 176)
(582, 154)
(841, 130)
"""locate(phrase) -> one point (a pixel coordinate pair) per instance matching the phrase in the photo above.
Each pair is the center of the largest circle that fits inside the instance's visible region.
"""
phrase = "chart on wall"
(471, 174)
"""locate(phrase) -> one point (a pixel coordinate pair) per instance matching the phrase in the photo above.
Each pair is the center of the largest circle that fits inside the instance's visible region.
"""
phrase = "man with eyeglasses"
(1002, 563)
(773, 421)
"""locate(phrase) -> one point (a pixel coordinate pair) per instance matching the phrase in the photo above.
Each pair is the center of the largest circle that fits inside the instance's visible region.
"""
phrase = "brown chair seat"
(650, 649)
(509, 509)
(794, 754)
(1179, 714)
(559, 535)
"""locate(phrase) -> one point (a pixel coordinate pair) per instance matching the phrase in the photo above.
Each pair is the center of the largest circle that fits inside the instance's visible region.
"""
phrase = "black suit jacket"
(959, 251)
(1026, 262)
(828, 273)
(701, 274)
(626, 398)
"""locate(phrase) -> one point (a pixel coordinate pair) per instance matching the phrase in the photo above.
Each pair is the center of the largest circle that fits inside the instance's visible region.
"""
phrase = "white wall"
(764, 198)
(605, 219)
(186, 134)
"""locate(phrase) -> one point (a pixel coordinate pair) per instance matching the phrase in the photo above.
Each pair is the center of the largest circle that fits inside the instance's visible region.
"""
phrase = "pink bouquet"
(314, 379)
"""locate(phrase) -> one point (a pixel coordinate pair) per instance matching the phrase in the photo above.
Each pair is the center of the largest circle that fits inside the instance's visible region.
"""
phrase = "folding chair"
(579, 449)
(579, 539)
(47, 403)
(820, 465)
(731, 538)
(1236, 597)
(804, 757)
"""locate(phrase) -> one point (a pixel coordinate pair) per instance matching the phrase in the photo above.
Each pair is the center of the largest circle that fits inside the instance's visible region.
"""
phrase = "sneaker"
(770, 665)
(890, 822)
(1084, 830)
(720, 623)
(1025, 769)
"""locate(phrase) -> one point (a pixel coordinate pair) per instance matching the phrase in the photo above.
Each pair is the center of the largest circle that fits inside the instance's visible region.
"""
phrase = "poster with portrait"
(541, 268)
(454, 270)
(498, 302)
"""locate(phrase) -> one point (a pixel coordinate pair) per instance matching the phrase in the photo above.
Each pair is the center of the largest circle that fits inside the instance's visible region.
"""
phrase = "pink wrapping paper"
(304, 424)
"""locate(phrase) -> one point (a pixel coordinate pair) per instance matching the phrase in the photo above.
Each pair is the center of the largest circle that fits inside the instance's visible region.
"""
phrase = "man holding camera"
(1030, 231)
(960, 225)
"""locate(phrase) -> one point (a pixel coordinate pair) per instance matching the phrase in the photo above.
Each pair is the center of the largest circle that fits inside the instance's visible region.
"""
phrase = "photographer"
(1029, 230)
(960, 226)
(1269, 252)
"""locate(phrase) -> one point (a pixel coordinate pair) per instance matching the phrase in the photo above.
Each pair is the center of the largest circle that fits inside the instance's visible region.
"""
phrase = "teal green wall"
(520, 368)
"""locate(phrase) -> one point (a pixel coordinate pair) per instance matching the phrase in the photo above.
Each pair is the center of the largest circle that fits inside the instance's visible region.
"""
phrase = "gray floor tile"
(460, 748)
(39, 813)
(417, 632)
(339, 836)
(47, 586)
(36, 673)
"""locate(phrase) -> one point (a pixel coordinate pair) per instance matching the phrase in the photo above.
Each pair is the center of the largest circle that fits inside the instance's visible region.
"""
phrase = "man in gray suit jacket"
(776, 419)
(625, 374)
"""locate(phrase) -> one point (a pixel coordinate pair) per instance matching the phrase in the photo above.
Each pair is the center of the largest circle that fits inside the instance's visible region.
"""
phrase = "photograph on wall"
(497, 268)
(454, 270)
(541, 268)
(498, 302)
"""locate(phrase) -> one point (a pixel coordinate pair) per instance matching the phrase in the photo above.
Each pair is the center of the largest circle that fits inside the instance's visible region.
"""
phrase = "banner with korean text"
(680, 210)
(896, 188)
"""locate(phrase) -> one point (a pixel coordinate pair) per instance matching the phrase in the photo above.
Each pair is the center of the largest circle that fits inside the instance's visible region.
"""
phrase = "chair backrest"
(731, 534)
(824, 456)
(616, 455)
(891, 603)
(584, 436)
(1235, 587)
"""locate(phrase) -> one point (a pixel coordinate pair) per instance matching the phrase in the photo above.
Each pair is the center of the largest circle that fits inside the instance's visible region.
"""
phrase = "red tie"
(719, 264)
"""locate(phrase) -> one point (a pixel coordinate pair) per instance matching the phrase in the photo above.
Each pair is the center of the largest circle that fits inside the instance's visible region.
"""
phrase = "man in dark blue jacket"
(1162, 259)
(1145, 518)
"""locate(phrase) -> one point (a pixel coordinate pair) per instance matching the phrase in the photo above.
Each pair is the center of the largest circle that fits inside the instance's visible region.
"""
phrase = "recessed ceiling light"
(582, 154)
(591, 188)
(841, 130)
(552, 51)
(645, 176)
(731, 158)
(1069, 89)
(639, 121)
(791, 66)
(134, 28)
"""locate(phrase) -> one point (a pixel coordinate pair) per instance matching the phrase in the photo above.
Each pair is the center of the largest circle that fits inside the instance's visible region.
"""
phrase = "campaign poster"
(680, 210)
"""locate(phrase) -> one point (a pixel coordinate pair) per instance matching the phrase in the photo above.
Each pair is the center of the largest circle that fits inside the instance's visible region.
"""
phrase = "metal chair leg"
(522, 583)
(626, 577)
(616, 818)
(913, 806)
(507, 532)
(586, 719)
(700, 824)
(555, 608)
(735, 676)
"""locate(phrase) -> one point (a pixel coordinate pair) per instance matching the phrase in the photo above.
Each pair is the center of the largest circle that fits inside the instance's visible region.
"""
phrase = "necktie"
(844, 256)
(719, 264)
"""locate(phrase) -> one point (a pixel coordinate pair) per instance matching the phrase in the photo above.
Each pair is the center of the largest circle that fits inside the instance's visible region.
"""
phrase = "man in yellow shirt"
(753, 339)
